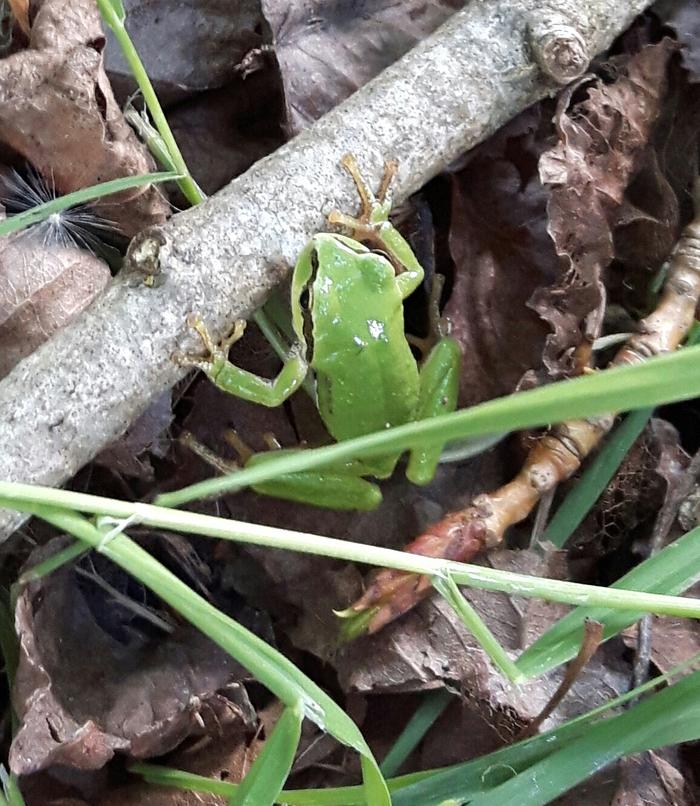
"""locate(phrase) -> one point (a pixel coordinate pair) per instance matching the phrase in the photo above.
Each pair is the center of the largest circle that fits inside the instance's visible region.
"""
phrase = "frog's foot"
(215, 353)
(224, 466)
(374, 210)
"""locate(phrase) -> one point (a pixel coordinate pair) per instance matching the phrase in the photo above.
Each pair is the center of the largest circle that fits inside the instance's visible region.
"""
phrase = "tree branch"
(78, 392)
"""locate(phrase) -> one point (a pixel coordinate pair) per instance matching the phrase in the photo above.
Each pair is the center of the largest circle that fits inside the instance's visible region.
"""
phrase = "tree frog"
(347, 315)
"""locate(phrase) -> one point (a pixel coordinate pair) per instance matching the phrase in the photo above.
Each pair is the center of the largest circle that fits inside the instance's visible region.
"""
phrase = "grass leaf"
(270, 667)
(432, 705)
(265, 779)
(672, 570)
(42, 211)
(662, 379)
(595, 478)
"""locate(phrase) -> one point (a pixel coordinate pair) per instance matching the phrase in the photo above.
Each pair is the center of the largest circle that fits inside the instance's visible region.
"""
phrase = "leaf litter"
(572, 205)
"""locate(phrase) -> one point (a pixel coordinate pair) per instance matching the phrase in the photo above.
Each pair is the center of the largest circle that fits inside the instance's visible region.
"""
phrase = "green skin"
(347, 313)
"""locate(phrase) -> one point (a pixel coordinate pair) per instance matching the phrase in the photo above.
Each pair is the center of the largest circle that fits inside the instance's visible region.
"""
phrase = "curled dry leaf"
(57, 110)
(185, 47)
(136, 690)
(327, 50)
(602, 142)
(42, 287)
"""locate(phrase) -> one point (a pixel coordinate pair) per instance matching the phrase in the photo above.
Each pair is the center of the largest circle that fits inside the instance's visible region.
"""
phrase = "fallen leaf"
(502, 253)
(602, 141)
(57, 110)
(684, 19)
(147, 436)
(221, 133)
(430, 647)
(42, 288)
(328, 50)
(188, 47)
(139, 691)
(652, 777)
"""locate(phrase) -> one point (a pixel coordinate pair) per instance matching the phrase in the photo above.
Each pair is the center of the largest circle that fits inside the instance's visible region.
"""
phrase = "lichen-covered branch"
(81, 390)
(554, 458)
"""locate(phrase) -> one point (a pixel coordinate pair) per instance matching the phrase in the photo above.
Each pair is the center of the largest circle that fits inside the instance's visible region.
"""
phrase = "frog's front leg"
(439, 387)
(240, 382)
(372, 225)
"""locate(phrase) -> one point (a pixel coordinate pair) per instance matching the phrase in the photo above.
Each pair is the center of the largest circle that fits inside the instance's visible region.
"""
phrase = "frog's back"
(367, 377)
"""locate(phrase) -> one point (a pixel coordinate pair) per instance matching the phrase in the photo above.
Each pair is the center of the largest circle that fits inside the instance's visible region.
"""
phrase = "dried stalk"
(554, 458)
(77, 393)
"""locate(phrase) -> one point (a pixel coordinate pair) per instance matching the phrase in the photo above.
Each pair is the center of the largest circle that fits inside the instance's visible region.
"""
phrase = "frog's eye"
(305, 299)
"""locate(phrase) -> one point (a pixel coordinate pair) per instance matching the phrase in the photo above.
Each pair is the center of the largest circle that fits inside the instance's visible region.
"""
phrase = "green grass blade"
(432, 787)
(595, 478)
(50, 564)
(670, 717)
(672, 570)
(432, 705)
(113, 14)
(447, 587)
(43, 211)
(600, 471)
(663, 379)
(265, 779)
(27, 498)
(112, 11)
(269, 666)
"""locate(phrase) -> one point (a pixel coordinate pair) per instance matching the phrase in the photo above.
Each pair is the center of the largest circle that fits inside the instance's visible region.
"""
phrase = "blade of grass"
(50, 564)
(670, 717)
(430, 708)
(673, 569)
(270, 667)
(662, 379)
(265, 779)
(27, 498)
(437, 785)
(43, 211)
(595, 478)
(10, 787)
(113, 14)
(447, 587)
(600, 471)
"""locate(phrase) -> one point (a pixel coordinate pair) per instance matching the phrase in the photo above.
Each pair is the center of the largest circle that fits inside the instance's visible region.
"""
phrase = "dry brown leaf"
(221, 133)
(42, 287)
(602, 144)
(327, 50)
(501, 253)
(138, 690)
(57, 110)
(431, 647)
(186, 47)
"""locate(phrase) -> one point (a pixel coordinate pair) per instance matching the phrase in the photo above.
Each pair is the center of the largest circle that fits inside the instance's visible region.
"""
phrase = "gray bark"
(78, 392)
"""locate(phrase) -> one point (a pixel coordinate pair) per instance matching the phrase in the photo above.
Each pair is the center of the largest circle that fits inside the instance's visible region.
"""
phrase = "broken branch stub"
(77, 393)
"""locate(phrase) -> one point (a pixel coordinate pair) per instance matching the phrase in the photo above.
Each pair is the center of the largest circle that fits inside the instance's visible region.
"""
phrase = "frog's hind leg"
(439, 386)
